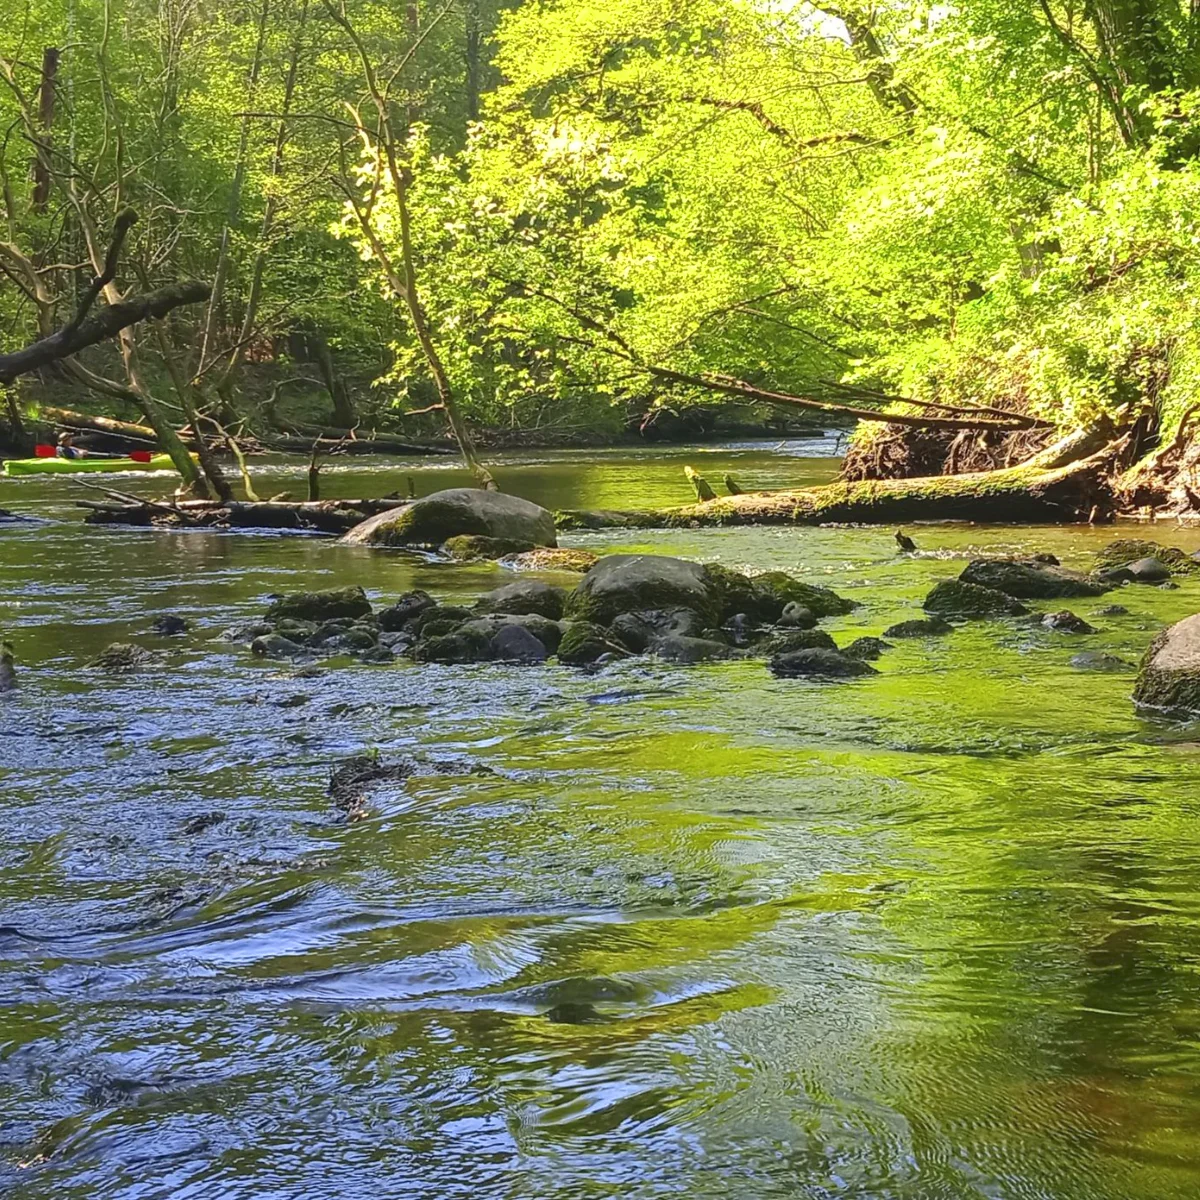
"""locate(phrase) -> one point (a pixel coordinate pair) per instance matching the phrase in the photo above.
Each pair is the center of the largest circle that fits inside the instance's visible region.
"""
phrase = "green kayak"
(72, 466)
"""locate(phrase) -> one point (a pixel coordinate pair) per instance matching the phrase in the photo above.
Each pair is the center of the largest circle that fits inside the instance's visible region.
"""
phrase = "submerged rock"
(1066, 622)
(121, 657)
(971, 601)
(525, 596)
(169, 626)
(1169, 675)
(868, 649)
(461, 645)
(818, 662)
(787, 641)
(1127, 551)
(1095, 660)
(275, 645)
(1025, 579)
(550, 558)
(434, 520)
(677, 648)
(1112, 610)
(930, 627)
(8, 667)
(320, 606)
(470, 547)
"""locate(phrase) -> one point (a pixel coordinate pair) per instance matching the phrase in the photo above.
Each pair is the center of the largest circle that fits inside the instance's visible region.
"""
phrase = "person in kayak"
(66, 447)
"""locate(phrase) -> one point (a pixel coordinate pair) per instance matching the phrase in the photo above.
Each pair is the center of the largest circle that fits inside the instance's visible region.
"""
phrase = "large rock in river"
(970, 601)
(622, 583)
(1028, 579)
(435, 519)
(320, 606)
(1169, 676)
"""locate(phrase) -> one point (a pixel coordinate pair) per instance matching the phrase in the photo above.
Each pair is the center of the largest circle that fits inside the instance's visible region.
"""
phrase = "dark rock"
(1094, 660)
(1149, 570)
(514, 643)
(202, 821)
(1049, 560)
(786, 642)
(971, 601)
(434, 520)
(796, 616)
(470, 547)
(463, 645)
(820, 601)
(1169, 675)
(525, 596)
(679, 649)
(297, 631)
(623, 583)
(868, 649)
(275, 645)
(1066, 622)
(410, 605)
(930, 627)
(378, 654)
(439, 614)
(349, 784)
(584, 643)
(1027, 580)
(1112, 610)
(818, 662)
(548, 632)
(1169, 586)
(639, 631)
(320, 606)
(169, 626)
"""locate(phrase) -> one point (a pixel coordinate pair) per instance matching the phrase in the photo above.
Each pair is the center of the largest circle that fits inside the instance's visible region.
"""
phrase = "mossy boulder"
(548, 632)
(525, 596)
(740, 593)
(583, 643)
(868, 649)
(623, 583)
(1067, 622)
(820, 662)
(820, 601)
(470, 547)
(677, 648)
(275, 645)
(461, 645)
(122, 657)
(441, 613)
(971, 601)
(1169, 675)
(515, 644)
(319, 607)
(1129, 550)
(1028, 579)
(436, 519)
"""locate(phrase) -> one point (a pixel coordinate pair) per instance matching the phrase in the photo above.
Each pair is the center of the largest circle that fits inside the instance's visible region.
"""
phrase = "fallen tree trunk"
(70, 419)
(1028, 493)
(323, 516)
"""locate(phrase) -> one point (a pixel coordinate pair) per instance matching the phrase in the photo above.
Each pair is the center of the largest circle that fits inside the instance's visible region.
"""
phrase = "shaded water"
(652, 932)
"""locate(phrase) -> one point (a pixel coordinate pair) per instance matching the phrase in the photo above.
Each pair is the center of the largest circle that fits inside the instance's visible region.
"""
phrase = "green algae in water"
(651, 932)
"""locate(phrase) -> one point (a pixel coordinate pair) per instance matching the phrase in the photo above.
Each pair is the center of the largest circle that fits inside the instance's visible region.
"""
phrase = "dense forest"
(561, 217)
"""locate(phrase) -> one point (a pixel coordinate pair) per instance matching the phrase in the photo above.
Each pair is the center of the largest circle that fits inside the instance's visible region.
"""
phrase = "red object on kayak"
(141, 455)
(44, 451)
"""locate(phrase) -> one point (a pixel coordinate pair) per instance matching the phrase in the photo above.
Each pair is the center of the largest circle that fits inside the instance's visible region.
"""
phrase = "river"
(657, 931)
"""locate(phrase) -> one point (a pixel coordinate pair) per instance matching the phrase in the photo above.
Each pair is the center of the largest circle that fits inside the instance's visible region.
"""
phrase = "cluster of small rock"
(626, 605)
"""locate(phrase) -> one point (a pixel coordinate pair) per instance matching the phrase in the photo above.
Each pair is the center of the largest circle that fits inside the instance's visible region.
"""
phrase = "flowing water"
(651, 932)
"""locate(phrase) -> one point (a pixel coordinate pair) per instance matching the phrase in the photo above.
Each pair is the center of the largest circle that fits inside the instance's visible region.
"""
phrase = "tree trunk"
(1026, 493)
(42, 173)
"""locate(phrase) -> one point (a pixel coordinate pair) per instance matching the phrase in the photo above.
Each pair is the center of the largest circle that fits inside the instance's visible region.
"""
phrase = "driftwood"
(322, 516)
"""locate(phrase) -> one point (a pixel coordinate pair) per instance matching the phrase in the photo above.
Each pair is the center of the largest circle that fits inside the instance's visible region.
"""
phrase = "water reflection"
(651, 933)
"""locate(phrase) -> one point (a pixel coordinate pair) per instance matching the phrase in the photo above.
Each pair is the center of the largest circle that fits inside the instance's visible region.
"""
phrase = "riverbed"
(649, 932)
